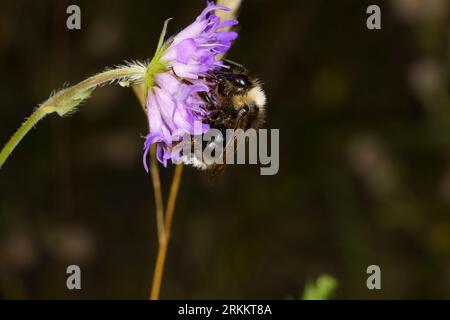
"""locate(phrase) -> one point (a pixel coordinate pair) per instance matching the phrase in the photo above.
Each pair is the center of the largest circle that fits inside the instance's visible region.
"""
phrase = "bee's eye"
(241, 80)
(237, 79)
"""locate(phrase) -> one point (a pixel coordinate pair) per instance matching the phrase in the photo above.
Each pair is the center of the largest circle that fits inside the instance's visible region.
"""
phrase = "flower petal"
(185, 50)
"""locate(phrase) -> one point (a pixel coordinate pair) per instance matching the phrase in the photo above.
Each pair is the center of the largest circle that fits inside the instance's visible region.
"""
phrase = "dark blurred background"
(364, 119)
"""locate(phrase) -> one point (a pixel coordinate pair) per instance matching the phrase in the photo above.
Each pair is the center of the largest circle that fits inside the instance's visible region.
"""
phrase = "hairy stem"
(37, 115)
(65, 100)
(163, 245)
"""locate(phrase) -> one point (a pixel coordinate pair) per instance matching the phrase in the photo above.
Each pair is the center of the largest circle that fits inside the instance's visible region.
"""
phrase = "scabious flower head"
(176, 78)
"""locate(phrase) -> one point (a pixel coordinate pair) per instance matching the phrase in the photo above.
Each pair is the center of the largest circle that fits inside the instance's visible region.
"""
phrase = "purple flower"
(173, 102)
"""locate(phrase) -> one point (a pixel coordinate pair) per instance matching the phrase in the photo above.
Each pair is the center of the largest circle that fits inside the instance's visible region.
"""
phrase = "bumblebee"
(240, 99)
(235, 101)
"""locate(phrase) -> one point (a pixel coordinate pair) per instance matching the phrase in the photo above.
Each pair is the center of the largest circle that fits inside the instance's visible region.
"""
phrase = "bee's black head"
(237, 79)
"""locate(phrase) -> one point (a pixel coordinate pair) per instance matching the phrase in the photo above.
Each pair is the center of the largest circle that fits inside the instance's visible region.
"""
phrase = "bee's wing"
(218, 169)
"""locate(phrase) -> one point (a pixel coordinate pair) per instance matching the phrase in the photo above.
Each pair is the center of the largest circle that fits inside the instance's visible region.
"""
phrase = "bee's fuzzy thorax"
(256, 96)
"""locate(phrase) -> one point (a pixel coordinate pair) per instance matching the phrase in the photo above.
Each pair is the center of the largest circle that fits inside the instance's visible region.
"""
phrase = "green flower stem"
(65, 100)
(17, 137)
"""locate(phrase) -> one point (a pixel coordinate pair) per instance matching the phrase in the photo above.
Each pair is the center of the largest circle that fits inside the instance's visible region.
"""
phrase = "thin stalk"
(139, 91)
(163, 245)
(163, 225)
(156, 181)
(176, 181)
(173, 197)
(65, 100)
(37, 115)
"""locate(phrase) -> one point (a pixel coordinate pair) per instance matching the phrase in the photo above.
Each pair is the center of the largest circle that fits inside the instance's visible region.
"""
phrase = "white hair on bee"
(192, 160)
(257, 95)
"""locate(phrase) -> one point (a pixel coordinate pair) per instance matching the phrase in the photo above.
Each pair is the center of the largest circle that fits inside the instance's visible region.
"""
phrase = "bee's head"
(248, 96)
(239, 81)
(233, 83)
(240, 95)
(250, 105)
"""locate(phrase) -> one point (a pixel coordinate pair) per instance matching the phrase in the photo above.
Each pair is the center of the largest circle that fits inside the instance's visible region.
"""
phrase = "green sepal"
(67, 102)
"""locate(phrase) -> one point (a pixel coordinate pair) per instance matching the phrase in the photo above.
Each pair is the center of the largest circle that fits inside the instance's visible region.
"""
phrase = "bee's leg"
(206, 98)
(242, 113)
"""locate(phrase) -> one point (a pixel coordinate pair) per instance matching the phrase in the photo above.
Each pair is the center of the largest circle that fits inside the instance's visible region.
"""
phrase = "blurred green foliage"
(322, 289)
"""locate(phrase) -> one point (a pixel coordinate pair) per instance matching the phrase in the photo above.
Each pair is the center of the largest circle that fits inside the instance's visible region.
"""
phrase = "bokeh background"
(364, 119)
